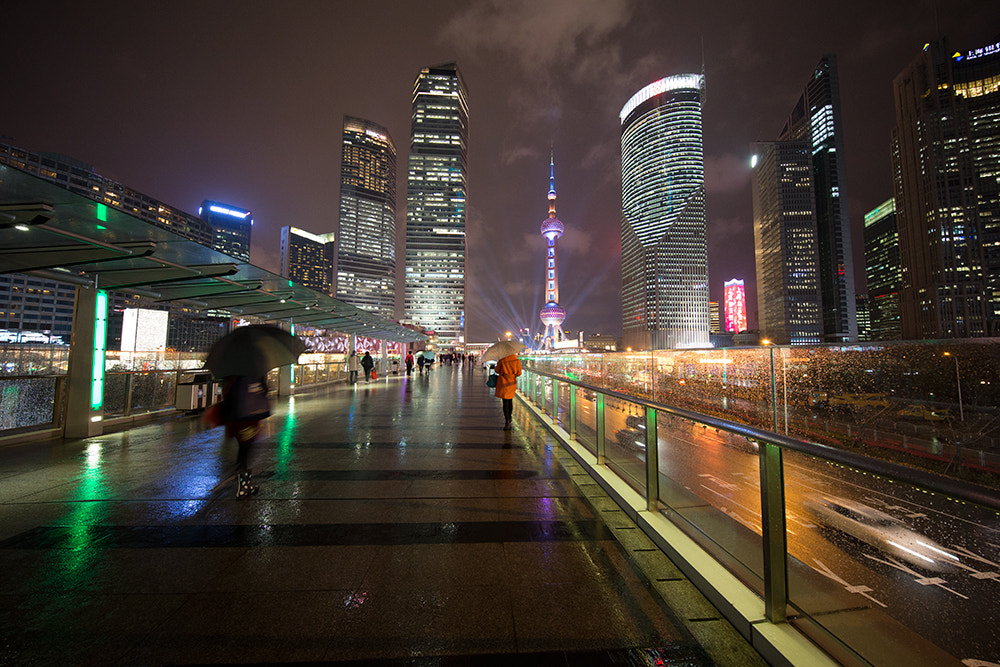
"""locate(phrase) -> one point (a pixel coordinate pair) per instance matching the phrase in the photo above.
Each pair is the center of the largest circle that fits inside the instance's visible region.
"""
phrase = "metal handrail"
(964, 491)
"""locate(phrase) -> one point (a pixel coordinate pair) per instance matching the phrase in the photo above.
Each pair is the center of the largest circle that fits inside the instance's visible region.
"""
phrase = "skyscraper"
(231, 226)
(784, 235)
(552, 314)
(946, 164)
(366, 250)
(882, 272)
(736, 306)
(436, 191)
(308, 258)
(664, 247)
(816, 119)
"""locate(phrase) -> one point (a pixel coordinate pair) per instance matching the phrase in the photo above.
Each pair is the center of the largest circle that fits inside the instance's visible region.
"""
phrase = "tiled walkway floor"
(396, 521)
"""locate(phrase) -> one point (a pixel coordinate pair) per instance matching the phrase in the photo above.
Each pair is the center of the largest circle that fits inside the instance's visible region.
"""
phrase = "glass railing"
(872, 560)
(931, 404)
(30, 402)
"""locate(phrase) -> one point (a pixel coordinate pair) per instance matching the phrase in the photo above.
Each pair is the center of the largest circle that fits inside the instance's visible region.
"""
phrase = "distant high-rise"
(863, 307)
(882, 272)
(308, 258)
(366, 255)
(436, 191)
(664, 247)
(816, 119)
(946, 164)
(735, 296)
(714, 318)
(552, 314)
(231, 226)
(784, 234)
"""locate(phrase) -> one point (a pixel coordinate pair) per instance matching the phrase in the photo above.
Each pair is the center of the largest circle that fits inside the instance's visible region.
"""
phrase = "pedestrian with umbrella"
(508, 369)
(243, 358)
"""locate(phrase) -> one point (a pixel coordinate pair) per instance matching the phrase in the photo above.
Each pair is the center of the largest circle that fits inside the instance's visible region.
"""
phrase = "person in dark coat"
(368, 364)
(409, 363)
(244, 406)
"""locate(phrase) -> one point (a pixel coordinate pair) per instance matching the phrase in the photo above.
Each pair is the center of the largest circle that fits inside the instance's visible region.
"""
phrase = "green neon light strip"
(100, 335)
(102, 212)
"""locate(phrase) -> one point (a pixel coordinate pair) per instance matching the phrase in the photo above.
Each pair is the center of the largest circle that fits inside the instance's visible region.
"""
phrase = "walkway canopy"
(50, 232)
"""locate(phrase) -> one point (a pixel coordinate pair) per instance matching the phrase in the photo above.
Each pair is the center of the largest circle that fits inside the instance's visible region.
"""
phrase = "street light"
(958, 382)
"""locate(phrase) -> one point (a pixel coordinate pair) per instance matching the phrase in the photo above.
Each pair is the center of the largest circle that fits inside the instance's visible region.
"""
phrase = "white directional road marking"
(917, 577)
(729, 486)
(857, 589)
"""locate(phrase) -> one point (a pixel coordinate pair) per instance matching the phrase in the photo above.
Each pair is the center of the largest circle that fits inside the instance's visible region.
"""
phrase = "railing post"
(772, 512)
(652, 461)
(555, 401)
(128, 393)
(601, 452)
(572, 412)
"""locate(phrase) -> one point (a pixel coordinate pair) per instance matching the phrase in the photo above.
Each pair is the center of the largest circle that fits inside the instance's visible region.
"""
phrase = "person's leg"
(245, 436)
(508, 411)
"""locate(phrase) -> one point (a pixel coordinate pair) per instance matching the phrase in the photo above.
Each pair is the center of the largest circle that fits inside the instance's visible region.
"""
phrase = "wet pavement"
(396, 523)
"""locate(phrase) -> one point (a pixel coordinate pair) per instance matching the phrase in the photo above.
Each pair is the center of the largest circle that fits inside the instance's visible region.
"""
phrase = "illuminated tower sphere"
(552, 315)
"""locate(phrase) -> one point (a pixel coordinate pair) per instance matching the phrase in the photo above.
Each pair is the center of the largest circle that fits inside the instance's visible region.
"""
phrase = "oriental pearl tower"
(552, 315)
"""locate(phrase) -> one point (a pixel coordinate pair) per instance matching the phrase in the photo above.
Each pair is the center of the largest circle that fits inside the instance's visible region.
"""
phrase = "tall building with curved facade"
(366, 239)
(664, 245)
(436, 190)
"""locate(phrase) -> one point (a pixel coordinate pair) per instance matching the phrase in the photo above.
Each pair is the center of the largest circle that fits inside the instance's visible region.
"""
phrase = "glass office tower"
(664, 246)
(307, 258)
(366, 249)
(231, 226)
(946, 169)
(785, 247)
(816, 119)
(437, 186)
(882, 271)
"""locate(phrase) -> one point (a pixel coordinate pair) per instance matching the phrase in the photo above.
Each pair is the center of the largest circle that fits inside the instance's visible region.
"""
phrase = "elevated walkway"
(396, 522)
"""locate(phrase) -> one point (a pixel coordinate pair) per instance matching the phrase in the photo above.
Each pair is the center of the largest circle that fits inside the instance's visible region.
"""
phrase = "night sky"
(243, 102)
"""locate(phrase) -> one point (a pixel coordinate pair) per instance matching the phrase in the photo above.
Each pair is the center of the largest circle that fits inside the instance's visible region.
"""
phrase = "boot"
(243, 485)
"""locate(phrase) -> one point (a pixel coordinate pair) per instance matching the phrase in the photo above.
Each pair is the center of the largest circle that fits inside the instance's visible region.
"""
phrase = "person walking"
(508, 369)
(420, 363)
(244, 406)
(353, 366)
(368, 364)
(409, 363)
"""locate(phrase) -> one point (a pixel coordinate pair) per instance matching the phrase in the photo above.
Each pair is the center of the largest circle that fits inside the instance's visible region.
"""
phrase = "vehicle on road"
(926, 413)
(880, 530)
(630, 438)
(851, 401)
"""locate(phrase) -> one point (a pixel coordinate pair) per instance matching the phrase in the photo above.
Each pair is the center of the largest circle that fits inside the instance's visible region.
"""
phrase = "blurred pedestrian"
(353, 366)
(508, 369)
(409, 363)
(421, 360)
(244, 406)
(368, 364)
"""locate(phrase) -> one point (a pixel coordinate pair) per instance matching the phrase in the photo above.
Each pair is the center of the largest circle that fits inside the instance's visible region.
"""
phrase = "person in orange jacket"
(507, 369)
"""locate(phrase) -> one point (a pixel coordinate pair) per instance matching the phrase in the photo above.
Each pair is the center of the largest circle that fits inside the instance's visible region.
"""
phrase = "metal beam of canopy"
(22, 260)
(138, 277)
(206, 290)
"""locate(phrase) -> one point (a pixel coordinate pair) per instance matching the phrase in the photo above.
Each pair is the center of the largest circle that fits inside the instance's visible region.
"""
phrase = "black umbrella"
(253, 350)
